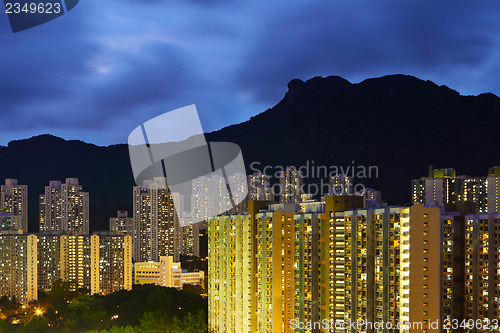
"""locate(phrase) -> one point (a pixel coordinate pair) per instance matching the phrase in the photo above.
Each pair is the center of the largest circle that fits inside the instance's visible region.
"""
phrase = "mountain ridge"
(399, 123)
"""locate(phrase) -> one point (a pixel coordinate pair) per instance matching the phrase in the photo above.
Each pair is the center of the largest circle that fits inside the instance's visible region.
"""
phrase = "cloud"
(97, 72)
(359, 39)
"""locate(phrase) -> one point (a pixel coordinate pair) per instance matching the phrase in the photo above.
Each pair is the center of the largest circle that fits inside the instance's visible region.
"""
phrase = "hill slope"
(398, 123)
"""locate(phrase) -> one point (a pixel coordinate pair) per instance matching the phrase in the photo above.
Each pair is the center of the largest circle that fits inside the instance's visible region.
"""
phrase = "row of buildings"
(101, 262)
(155, 226)
(345, 264)
(446, 188)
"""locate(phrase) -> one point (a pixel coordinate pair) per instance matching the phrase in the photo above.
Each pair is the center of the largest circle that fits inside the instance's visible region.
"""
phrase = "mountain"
(398, 124)
(103, 171)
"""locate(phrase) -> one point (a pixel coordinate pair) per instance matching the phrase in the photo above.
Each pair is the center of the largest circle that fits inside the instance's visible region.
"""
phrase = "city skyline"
(250, 167)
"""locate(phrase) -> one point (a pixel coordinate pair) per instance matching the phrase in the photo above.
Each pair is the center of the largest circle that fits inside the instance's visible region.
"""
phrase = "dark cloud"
(105, 67)
(359, 39)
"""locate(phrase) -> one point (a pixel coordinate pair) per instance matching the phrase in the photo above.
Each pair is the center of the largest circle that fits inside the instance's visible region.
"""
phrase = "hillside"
(398, 123)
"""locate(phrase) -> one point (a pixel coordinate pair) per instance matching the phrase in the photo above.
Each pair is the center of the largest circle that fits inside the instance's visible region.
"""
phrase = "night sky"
(107, 66)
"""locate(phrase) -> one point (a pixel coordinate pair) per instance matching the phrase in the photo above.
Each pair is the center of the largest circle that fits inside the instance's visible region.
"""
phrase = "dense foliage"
(145, 308)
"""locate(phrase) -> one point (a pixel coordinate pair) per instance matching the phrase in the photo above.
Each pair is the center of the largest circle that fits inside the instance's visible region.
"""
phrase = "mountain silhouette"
(398, 123)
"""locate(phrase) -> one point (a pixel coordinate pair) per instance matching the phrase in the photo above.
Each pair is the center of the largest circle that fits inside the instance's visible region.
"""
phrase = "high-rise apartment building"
(345, 263)
(51, 208)
(332, 256)
(14, 198)
(493, 190)
(275, 275)
(157, 230)
(230, 273)
(291, 181)
(8, 221)
(80, 261)
(482, 267)
(100, 263)
(232, 269)
(445, 188)
(188, 240)
(341, 185)
(122, 224)
(115, 262)
(209, 198)
(18, 268)
(49, 260)
(64, 208)
(259, 187)
(305, 268)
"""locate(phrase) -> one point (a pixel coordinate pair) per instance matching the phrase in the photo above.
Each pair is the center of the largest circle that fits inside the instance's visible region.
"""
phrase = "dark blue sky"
(107, 66)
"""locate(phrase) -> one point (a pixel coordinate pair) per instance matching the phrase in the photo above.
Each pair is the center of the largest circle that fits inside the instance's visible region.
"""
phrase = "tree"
(86, 312)
(195, 288)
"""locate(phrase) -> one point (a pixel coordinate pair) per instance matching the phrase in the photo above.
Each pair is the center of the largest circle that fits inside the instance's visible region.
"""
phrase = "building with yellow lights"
(101, 263)
(166, 273)
(445, 188)
(291, 182)
(343, 263)
(275, 275)
(157, 230)
(482, 265)
(115, 262)
(64, 208)
(493, 190)
(49, 260)
(122, 224)
(18, 266)
(14, 198)
(232, 271)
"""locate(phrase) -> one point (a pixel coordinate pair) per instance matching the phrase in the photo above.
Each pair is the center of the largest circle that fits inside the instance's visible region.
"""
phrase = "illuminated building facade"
(493, 190)
(64, 208)
(259, 187)
(482, 265)
(115, 262)
(341, 185)
(157, 230)
(445, 188)
(14, 198)
(275, 275)
(343, 262)
(166, 273)
(122, 224)
(18, 268)
(305, 267)
(49, 260)
(332, 256)
(8, 222)
(100, 263)
(80, 261)
(188, 247)
(290, 185)
(230, 290)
